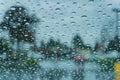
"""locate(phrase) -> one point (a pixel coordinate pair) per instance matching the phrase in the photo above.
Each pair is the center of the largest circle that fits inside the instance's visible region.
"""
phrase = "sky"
(62, 19)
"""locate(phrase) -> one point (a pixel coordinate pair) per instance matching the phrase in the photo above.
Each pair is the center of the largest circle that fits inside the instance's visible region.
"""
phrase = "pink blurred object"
(83, 57)
(77, 58)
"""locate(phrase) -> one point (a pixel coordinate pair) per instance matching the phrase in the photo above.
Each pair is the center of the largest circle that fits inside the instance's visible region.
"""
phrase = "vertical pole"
(117, 64)
(34, 43)
(117, 25)
(117, 19)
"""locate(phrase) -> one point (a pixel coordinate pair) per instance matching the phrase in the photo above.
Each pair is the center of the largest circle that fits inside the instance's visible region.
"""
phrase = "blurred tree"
(51, 47)
(114, 44)
(19, 22)
(97, 46)
(77, 42)
(54, 48)
(42, 43)
(51, 42)
(4, 46)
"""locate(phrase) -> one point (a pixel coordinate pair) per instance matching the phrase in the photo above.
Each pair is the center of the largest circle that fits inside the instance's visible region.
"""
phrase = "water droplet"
(74, 2)
(2, 3)
(18, 3)
(74, 12)
(71, 17)
(83, 16)
(12, 8)
(99, 11)
(91, 0)
(58, 2)
(58, 9)
(73, 22)
(38, 4)
(110, 4)
(47, 26)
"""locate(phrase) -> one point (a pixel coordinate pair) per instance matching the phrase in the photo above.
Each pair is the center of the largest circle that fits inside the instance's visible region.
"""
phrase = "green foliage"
(42, 43)
(4, 45)
(31, 61)
(52, 48)
(97, 46)
(51, 42)
(18, 16)
(114, 44)
(19, 23)
(77, 41)
(107, 64)
(78, 44)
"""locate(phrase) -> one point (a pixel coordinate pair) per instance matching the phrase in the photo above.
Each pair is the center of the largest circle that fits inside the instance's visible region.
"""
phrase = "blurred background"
(60, 40)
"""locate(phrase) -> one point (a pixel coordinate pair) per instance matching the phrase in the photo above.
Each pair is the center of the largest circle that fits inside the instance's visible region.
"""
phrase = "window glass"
(59, 39)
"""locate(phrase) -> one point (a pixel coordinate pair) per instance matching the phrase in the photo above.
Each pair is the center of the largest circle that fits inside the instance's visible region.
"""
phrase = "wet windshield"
(59, 40)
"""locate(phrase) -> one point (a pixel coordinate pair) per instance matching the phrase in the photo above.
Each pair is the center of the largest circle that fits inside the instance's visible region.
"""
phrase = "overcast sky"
(64, 18)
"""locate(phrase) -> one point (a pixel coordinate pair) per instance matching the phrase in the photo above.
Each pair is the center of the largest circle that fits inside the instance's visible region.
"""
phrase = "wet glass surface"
(59, 40)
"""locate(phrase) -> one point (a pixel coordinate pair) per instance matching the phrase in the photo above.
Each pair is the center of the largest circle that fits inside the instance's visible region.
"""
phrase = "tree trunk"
(18, 44)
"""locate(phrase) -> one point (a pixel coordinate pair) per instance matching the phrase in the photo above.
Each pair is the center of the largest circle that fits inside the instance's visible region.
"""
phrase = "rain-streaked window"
(60, 40)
